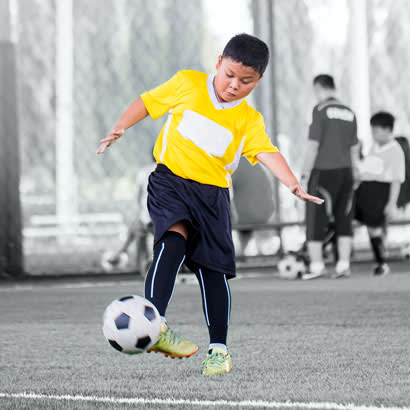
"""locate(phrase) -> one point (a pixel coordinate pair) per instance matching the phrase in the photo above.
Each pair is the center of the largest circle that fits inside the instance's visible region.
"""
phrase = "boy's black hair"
(382, 119)
(325, 81)
(248, 50)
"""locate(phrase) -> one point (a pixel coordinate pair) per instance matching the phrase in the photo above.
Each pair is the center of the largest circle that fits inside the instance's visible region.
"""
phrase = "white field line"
(79, 285)
(200, 403)
(187, 280)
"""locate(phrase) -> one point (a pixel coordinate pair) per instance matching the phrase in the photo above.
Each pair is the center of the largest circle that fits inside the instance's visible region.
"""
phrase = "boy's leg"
(216, 303)
(343, 214)
(376, 236)
(169, 254)
(317, 221)
(344, 247)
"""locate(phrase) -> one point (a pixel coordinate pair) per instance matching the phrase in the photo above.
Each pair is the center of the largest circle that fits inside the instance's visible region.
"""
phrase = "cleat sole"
(173, 356)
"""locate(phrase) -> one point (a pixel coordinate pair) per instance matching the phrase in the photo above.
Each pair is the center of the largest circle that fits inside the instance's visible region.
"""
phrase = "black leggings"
(216, 303)
(169, 254)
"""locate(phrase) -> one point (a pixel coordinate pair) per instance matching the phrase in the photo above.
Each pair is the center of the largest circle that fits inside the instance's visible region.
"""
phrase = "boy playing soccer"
(209, 126)
(381, 173)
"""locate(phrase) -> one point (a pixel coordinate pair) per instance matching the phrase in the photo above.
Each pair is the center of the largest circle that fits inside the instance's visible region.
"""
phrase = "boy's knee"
(375, 231)
(181, 228)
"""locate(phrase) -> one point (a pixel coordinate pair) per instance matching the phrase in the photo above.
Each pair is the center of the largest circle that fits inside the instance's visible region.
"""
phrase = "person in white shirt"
(382, 172)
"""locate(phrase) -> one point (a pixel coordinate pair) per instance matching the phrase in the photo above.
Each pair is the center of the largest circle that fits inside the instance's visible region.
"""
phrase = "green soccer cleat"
(217, 362)
(171, 344)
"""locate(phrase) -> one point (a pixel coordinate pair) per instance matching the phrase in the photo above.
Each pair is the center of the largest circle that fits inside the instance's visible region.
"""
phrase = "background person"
(382, 172)
(141, 224)
(330, 160)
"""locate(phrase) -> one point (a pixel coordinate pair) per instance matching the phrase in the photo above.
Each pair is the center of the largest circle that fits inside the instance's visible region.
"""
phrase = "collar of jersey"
(326, 102)
(211, 91)
(385, 147)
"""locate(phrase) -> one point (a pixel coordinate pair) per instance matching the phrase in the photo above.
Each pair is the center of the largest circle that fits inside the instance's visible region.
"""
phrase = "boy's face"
(321, 93)
(234, 80)
(381, 135)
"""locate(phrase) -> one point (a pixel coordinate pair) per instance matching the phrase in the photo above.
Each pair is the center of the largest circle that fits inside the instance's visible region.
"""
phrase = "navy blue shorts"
(206, 211)
(370, 201)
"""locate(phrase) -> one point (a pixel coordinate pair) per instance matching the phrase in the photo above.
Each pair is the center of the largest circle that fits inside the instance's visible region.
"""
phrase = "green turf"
(344, 341)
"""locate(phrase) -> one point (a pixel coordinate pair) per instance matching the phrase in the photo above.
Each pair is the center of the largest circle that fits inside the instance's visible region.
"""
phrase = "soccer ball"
(405, 251)
(131, 324)
(291, 267)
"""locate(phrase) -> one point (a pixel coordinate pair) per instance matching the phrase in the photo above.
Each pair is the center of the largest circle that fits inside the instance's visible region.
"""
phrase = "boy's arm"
(391, 203)
(355, 155)
(134, 113)
(277, 164)
(309, 160)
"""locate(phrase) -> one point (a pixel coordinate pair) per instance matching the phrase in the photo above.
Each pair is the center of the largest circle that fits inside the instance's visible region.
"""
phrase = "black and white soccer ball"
(291, 267)
(131, 324)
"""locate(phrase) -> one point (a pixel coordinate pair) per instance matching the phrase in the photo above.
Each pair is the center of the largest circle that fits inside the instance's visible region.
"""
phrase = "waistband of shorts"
(163, 169)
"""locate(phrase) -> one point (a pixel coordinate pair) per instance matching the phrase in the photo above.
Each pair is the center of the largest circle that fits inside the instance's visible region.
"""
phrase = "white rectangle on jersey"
(205, 133)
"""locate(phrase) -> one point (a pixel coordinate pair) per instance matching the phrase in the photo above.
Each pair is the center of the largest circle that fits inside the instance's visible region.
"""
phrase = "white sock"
(316, 267)
(220, 345)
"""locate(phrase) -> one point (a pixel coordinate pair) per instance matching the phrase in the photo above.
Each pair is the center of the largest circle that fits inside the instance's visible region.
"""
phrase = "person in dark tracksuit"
(330, 165)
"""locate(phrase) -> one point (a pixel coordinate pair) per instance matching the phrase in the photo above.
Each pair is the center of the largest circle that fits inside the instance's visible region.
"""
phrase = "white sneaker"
(342, 270)
(315, 270)
(381, 270)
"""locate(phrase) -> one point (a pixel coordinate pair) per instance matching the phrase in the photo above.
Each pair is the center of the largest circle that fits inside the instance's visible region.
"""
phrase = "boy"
(381, 173)
(209, 126)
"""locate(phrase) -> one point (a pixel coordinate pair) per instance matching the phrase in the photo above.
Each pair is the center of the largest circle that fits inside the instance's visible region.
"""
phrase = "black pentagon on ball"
(115, 345)
(122, 321)
(125, 298)
(149, 313)
(143, 342)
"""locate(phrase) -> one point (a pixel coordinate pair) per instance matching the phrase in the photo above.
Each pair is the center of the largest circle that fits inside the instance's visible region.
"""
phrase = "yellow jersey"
(202, 138)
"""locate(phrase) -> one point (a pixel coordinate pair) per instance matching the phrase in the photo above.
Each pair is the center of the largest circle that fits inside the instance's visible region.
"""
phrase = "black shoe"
(382, 269)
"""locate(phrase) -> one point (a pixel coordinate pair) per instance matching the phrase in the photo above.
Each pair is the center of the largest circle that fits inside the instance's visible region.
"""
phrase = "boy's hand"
(390, 211)
(300, 193)
(110, 139)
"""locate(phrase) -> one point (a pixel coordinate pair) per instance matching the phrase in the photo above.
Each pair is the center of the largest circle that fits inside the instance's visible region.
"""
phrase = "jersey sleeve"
(355, 139)
(256, 140)
(316, 127)
(161, 99)
(399, 168)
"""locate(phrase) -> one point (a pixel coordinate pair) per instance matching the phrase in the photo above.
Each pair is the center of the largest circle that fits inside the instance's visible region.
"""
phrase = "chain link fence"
(129, 46)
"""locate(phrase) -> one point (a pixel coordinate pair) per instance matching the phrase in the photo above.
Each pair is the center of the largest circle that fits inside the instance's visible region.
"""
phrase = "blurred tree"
(120, 50)
(293, 70)
(11, 258)
(36, 72)
(389, 36)
(123, 49)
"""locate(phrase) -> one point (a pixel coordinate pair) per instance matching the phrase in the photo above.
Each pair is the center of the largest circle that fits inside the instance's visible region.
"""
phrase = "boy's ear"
(219, 62)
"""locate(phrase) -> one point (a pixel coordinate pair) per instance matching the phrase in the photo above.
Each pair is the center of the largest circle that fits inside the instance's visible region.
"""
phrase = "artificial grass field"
(341, 341)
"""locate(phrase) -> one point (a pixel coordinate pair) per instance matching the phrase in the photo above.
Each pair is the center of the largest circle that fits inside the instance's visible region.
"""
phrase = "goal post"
(11, 255)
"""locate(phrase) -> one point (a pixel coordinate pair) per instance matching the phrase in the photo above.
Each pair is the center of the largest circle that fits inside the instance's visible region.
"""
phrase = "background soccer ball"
(131, 324)
(291, 267)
